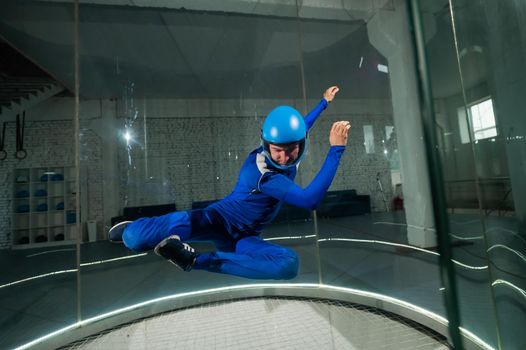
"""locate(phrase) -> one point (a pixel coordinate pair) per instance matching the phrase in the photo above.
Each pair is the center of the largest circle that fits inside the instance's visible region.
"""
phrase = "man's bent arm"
(312, 195)
(315, 113)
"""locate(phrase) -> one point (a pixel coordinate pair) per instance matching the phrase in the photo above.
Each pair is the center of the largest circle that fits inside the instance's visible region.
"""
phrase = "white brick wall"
(195, 159)
(189, 159)
(187, 156)
(357, 169)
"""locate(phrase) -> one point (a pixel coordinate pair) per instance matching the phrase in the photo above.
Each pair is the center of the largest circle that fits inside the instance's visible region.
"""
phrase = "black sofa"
(334, 204)
(344, 203)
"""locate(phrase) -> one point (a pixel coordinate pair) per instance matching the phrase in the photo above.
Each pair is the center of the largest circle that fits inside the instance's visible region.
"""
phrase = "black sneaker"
(115, 233)
(177, 252)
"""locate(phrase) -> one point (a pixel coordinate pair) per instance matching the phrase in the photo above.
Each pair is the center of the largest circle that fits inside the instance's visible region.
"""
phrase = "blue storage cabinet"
(44, 206)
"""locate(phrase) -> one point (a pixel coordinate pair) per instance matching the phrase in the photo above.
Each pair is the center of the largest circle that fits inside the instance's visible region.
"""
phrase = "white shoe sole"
(117, 227)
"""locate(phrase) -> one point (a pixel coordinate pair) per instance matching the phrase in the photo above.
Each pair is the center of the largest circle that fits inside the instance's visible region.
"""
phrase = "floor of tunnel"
(34, 307)
(269, 323)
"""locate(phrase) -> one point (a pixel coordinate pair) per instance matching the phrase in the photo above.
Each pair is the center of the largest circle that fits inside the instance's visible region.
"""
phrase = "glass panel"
(473, 55)
(37, 195)
(455, 129)
(375, 225)
(173, 103)
(491, 52)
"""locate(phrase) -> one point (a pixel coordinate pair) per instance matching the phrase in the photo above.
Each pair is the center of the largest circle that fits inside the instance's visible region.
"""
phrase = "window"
(368, 136)
(482, 120)
(389, 129)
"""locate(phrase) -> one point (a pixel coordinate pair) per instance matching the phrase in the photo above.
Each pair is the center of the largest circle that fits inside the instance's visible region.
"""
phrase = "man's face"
(284, 154)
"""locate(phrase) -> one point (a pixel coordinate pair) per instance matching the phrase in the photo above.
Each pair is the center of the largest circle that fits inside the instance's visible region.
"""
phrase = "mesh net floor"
(269, 323)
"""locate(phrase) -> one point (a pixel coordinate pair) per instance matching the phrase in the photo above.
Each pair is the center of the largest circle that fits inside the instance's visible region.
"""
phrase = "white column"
(388, 32)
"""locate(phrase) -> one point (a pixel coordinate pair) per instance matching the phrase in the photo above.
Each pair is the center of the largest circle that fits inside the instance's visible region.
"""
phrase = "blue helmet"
(283, 126)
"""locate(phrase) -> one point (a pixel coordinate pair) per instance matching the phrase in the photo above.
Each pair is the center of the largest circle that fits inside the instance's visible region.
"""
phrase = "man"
(235, 223)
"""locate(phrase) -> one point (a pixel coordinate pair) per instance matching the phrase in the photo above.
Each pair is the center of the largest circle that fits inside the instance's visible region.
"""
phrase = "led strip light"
(321, 287)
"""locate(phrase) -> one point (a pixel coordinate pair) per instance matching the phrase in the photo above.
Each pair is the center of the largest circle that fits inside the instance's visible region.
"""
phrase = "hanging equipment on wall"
(3, 153)
(20, 151)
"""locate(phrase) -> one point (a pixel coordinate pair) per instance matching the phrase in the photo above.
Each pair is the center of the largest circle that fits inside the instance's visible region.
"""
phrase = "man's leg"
(253, 258)
(168, 234)
(194, 225)
(206, 225)
(145, 233)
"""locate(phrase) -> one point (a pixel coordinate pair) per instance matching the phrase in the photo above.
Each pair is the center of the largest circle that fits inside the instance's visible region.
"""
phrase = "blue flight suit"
(234, 224)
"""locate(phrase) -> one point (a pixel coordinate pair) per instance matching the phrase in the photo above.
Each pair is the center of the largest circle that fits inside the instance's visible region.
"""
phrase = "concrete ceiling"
(189, 53)
(243, 48)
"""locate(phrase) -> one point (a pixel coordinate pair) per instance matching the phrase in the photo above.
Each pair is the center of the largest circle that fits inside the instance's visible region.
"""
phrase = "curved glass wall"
(173, 104)
(475, 52)
(171, 101)
(38, 231)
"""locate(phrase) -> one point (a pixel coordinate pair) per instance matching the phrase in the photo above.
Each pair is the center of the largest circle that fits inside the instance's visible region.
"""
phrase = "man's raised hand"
(330, 93)
(339, 133)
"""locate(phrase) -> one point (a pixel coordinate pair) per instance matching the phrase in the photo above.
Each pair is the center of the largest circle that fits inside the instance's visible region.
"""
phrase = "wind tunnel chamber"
(138, 109)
